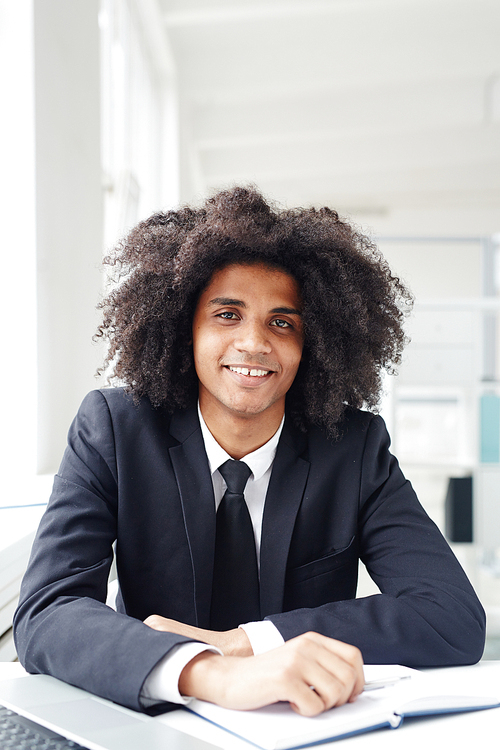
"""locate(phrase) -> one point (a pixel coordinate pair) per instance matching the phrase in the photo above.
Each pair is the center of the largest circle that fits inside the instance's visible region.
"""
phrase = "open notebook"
(277, 727)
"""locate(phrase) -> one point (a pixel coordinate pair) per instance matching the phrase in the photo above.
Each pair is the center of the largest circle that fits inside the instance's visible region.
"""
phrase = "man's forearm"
(311, 672)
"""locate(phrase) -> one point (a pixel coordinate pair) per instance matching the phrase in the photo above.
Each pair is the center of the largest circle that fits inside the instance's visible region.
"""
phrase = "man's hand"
(312, 672)
(231, 642)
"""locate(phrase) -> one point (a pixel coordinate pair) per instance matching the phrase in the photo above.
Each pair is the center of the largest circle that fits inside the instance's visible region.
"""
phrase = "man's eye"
(227, 315)
(281, 323)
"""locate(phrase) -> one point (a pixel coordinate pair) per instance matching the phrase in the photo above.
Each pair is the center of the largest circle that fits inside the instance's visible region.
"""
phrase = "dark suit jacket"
(138, 476)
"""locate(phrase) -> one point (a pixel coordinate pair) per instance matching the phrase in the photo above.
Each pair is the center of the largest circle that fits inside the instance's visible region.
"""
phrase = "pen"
(378, 684)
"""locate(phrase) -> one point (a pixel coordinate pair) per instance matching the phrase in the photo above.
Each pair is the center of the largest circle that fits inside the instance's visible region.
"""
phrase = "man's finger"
(335, 669)
(345, 651)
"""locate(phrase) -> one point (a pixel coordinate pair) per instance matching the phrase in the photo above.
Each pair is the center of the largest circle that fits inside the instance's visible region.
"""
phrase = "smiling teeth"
(246, 371)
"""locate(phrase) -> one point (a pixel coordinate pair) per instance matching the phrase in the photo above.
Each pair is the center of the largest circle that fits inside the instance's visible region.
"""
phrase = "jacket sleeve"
(427, 613)
(62, 625)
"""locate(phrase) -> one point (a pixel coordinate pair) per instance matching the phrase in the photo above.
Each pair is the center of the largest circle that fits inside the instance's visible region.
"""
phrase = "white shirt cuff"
(162, 683)
(263, 636)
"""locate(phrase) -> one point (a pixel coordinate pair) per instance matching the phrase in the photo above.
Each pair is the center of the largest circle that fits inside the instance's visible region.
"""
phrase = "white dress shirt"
(162, 682)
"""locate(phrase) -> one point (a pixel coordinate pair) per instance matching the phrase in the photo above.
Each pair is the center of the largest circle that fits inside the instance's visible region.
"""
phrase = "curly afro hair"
(353, 307)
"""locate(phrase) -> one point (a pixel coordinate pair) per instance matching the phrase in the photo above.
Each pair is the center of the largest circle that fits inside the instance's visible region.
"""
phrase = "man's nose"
(253, 338)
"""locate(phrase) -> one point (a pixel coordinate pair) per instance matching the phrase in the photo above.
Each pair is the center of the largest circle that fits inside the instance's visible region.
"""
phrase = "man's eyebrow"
(286, 311)
(227, 301)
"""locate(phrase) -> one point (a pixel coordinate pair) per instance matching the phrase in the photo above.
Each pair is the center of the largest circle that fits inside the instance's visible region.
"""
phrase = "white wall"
(18, 374)
(51, 204)
(69, 220)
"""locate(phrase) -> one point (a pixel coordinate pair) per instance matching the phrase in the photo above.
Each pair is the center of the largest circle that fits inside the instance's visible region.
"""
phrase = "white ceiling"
(367, 105)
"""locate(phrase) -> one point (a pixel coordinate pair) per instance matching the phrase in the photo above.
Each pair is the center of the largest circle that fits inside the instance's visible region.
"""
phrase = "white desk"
(456, 731)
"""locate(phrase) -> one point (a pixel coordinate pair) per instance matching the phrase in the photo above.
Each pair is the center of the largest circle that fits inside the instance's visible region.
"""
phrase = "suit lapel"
(190, 464)
(284, 496)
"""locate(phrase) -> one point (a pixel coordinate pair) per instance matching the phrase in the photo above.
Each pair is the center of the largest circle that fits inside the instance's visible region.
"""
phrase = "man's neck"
(241, 435)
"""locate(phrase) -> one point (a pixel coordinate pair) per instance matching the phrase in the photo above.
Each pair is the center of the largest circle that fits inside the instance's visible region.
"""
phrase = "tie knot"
(235, 475)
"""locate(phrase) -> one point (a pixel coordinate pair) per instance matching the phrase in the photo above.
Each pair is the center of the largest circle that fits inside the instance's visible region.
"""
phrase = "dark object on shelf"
(458, 509)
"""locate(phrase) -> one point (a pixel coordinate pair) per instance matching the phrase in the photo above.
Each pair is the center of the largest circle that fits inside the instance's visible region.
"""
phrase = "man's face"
(247, 340)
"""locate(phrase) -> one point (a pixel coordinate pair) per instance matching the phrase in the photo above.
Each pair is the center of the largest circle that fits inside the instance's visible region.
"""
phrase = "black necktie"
(235, 590)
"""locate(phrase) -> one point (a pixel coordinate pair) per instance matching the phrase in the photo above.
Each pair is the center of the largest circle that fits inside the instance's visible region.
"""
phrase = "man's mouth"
(253, 372)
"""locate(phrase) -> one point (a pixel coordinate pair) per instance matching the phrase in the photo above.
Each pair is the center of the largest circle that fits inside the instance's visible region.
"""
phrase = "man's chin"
(251, 409)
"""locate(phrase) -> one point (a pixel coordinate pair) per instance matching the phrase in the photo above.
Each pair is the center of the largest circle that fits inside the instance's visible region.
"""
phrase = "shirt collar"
(259, 460)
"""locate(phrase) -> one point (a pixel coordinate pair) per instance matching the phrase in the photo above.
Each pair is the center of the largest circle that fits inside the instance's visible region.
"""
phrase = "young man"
(248, 339)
